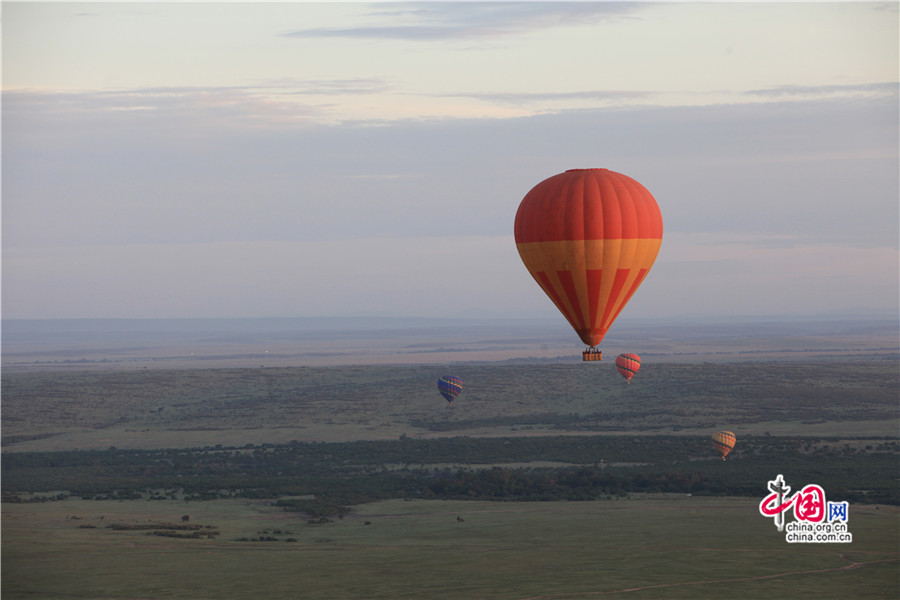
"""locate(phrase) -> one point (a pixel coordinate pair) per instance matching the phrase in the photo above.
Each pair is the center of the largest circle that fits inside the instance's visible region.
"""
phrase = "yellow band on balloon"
(590, 281)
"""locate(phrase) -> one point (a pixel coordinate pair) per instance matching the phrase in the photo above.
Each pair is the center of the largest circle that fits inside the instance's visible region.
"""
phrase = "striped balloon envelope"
(723, 442)
(450, 386)
(628, 365)
(589, 238)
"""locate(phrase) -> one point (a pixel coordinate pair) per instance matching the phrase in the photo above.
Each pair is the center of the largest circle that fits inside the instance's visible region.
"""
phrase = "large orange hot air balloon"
(589, 237)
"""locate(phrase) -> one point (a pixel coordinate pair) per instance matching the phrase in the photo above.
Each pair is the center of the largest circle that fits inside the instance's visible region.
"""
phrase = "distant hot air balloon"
(723, 442)
(628, 365)
(589, 237)
(450, 386)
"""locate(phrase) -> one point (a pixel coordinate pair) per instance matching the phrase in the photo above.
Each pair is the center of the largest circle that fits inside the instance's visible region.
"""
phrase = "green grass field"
(640, 546)
(644, 547)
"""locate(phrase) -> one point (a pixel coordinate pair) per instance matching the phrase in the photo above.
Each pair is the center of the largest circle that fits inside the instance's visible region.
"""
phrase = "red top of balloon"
(585, 204)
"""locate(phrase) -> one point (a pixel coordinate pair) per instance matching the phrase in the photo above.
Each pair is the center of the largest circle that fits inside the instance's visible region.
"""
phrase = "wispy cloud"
(531, 98)
(358, 86)
(464, 20)
(182, 104)
(882, 89)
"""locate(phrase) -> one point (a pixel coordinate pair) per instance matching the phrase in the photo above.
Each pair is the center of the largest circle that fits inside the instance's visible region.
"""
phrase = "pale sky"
(330, 159)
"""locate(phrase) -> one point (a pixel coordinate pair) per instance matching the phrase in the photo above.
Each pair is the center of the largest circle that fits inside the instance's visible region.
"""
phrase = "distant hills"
(315, 341)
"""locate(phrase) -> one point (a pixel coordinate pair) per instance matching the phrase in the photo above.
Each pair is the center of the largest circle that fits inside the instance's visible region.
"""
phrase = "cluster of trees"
(265, 538)
(501, 483)
(15, 498)
(173, 530)
(323, 479)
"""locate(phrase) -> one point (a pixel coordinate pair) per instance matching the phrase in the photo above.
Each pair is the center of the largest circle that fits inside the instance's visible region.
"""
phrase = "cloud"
(465, 21)
(528, 98)
(768, 208)
(181, 105)
(868, 90)
(359, 86)
(76, 172)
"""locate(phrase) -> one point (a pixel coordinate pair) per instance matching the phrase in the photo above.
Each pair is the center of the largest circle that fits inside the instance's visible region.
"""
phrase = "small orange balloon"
(628, 365)
(723, 442)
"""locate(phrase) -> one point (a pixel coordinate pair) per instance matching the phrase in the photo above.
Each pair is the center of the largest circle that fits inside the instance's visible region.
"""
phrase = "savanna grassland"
(46, 411)
(130, 473)
(654, 546)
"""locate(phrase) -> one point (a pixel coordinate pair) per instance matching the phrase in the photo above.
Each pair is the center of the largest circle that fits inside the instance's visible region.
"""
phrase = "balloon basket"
(592, 354)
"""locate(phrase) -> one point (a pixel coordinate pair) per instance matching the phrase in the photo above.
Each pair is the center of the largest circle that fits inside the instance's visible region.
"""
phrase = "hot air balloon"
(723, 442)
(589, 238)
(450, 386)
(628, 365)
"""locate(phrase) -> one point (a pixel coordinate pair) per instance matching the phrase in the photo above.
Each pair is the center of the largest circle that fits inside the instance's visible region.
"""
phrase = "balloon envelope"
(723, 442)
(628, 365)
(450, 386)
(589, 238)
